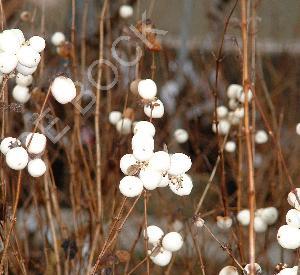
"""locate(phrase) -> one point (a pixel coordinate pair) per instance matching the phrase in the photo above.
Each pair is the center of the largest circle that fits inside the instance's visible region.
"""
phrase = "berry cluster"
(264, 217)
(163, 244)
(17, 157)
(19, 54)
(233, 116)
(288, 235)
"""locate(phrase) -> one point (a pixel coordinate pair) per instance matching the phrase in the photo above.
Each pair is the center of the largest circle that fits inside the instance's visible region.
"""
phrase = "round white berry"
(6, 143)
(24, 70)
(17, 158)
(10, 41)
(114, 117)
(150, 178)
(298, 129)
(269, 215)
(8, 62)
(239, 112)
(181, 135)
(289, 271)
(257, 269)
(163, 258)
(232, 119)
(19, 34)
(143, 154)
(126, 161)
(172, 241)
(144, 127)
(230, 146)
(28, 57)
(164, 181)
(224, 127)
(58, 38)
(142, 141)
(229, 270)
(244, 217)
(21, 94)
(63, 89)
(37, 144)
(222, 111)
(37, 43)
(183, 186)
(234, 91)
(36, 168)
(294, 198)
(242, 97)
(233, 104)
(126, 11)
(147, 89)
(131, 186)
(24, 80)
(261, 137)
(155, 109)
(154, 234)
(123, 126)
(160, 161)
(260, 226)
(180, 163)
(293, 218)
(288, 237)
(224, 223)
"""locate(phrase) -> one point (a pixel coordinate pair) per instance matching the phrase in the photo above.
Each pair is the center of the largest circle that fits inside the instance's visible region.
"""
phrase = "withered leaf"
(133, 170)
(123, 256)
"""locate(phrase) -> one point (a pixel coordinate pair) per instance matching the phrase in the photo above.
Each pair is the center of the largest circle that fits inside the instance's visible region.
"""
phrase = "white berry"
(8, 62)
(6, 143)
(294, 198)
(114, 117)
(224, 223)
(230, 146)
(260, 226)
(131, 186)
(160, 161)
(293, 218)
(261, 137)
(37, 43)
(244, 217)
(28, 57)
(126, 11)
(172, 241)
(154, 110)
(37, 144)
(24, 80)
(150, 178)
(181, 135)
(58, 38)
(21, 94)
(180, 163)
(183, 187)
(229, 270)
(17, 158)
(222, 111)
(24, 70)
(63, 89)
(145, 127)
(154, 234)
(234, 91)
(288, 237)
(147, 89)
(36, 168)
(163, 258)
(123, 126)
